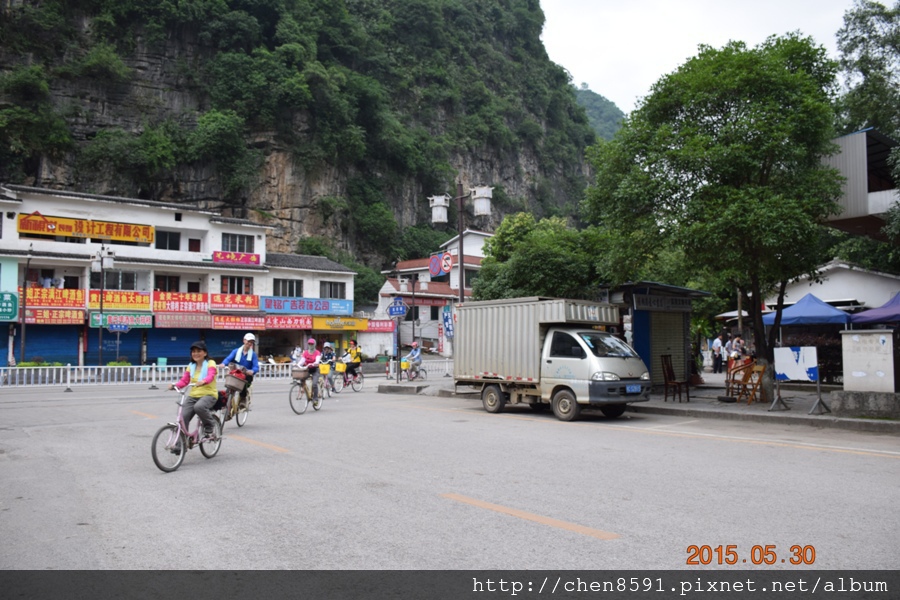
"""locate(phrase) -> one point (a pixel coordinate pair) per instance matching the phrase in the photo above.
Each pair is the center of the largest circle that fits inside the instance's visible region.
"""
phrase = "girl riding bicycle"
(203, 396)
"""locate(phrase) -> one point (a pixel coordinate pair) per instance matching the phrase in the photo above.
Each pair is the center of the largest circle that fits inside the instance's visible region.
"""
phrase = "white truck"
(547, 351)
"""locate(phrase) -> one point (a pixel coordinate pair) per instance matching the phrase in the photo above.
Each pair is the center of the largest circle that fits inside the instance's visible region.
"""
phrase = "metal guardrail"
(157, 376)
(150, 375)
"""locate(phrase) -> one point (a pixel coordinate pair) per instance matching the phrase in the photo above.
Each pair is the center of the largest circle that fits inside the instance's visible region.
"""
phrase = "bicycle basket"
(324, 368)
(404, 365)
(340, 367)
(234, 383)
(300, 373)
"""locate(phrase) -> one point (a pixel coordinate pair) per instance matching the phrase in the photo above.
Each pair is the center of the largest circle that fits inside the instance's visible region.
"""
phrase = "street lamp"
(482, 196)
(25, 303)
(99, 264)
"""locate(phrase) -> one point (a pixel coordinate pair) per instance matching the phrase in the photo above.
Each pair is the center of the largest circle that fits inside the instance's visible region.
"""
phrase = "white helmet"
(250, 337)
(327, 345)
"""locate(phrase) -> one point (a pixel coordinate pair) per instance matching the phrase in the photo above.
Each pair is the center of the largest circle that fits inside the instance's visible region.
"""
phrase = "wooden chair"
(747, 388)
(735, 376)
(673, 382)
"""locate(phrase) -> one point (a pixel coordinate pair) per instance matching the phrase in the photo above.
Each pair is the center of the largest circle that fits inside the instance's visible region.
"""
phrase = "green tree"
(536, 258)
(869, 43)
(723, 161)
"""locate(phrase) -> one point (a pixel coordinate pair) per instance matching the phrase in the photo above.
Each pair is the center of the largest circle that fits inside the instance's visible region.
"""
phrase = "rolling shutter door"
(172, 344)
(53, 343)
(667, 336)
(129, 346)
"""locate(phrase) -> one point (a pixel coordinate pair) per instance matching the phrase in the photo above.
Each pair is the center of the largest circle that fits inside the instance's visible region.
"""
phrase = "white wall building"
(172, 274)
(844, 285)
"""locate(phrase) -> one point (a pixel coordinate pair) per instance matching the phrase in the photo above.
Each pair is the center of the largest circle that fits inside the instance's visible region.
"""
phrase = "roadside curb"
(822, 421)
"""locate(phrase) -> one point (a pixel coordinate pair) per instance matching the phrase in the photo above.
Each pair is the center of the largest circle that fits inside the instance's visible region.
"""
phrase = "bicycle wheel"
(423, 374)
(339, 383)
(165, 443)
(297, 397)
(357, 382)
(243, 409)
(210, 448)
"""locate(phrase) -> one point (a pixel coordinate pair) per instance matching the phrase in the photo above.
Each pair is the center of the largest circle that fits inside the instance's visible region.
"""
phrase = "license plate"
(633, 389)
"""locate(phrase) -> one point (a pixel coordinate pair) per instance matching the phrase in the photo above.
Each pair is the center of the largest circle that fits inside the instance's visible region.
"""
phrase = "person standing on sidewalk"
(717, 354)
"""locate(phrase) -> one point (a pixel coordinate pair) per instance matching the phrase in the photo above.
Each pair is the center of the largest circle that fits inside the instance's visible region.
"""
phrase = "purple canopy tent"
(887, 313)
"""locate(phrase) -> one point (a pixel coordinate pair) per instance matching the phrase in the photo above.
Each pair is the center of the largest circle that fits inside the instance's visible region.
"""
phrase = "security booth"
(660, 324)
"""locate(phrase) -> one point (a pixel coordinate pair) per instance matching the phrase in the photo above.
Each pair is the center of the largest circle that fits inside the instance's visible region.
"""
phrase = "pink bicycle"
(173, 440)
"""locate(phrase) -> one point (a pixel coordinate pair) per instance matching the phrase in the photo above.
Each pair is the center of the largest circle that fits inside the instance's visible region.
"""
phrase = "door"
(565, 362)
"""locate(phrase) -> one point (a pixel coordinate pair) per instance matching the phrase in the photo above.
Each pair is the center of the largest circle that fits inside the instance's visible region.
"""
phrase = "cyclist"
(203, 396)
(311, 358)
(415, 358)
(328, 358)
(245, 360)
(353, 358)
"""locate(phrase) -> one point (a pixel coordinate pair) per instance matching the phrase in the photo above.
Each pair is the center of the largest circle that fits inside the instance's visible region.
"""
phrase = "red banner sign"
(119, 300)
(182, 321)
(425, 301)
(380, 326)
(53, 297)
(233, 302)
(176, 302)
(289, 322)
(54, 316)
(236, 258)
(238, 322)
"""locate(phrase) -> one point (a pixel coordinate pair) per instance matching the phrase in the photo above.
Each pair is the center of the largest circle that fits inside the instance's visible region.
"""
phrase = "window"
(237, 285)
(167, 283)
(193, 287)
(193, 245)
(288, 287)
(168, 240)
(435, 313)
(233, 242)
(333, 289)
(115, 280)
(564, 345)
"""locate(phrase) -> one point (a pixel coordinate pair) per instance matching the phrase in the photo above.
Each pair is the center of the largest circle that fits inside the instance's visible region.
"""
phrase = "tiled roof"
(305, 262)
(439, 289)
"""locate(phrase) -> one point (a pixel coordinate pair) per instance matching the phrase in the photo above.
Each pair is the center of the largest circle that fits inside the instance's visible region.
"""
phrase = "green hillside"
(371, 103)
(604, 117)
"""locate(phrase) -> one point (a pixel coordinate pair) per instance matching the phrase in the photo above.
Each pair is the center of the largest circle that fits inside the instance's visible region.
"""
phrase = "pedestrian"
(717, 354)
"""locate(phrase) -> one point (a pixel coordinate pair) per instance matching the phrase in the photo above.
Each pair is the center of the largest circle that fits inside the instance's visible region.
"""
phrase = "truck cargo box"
(502, 339)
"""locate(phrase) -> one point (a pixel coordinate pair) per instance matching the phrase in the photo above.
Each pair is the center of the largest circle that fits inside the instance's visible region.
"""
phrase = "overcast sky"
(622, 47)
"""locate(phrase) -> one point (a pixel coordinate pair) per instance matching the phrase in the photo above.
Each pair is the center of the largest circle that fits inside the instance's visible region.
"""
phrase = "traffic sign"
(397, 308)
(446, 262)
(434, 265)
(9, 306)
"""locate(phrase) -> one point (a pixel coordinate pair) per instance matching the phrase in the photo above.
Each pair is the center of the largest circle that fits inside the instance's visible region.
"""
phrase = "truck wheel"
(613, 411)
(492, 399)
(565, 407)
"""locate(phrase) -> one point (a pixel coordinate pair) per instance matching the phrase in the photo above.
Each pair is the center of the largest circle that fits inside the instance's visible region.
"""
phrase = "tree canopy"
(722, 160)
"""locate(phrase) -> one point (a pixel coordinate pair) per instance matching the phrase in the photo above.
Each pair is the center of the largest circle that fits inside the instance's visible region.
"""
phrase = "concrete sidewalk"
(704, 403)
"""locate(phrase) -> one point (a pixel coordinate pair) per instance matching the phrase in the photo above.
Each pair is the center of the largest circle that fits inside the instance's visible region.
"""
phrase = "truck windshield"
(605, 344)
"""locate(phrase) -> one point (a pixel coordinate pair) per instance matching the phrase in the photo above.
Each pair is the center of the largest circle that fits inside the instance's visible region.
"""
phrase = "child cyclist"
(203, 396)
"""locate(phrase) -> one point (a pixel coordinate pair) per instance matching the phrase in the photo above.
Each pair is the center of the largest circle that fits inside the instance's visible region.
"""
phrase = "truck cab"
(585, 366)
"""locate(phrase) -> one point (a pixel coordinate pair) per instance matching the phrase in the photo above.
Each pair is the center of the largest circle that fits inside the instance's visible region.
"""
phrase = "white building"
(844, 285)
(431, 292)
(170, 275)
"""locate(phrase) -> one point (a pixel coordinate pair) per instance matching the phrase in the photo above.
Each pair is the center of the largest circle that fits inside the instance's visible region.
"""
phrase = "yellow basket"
(324, 368)
(340, 367)
(404, 365)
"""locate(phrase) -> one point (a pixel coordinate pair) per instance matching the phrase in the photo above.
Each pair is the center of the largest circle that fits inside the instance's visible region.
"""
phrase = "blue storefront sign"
(306, 306)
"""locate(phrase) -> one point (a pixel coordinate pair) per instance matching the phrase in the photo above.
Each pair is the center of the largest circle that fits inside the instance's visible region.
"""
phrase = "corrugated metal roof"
(305, 262)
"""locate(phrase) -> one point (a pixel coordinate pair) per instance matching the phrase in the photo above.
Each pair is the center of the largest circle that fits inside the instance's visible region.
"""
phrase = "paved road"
(382, 481)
